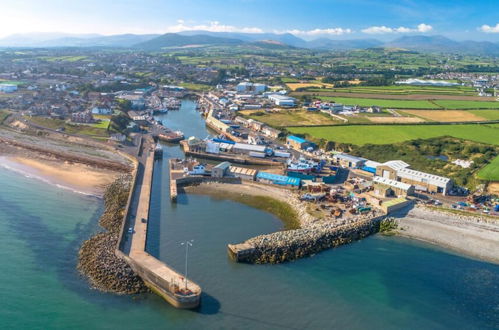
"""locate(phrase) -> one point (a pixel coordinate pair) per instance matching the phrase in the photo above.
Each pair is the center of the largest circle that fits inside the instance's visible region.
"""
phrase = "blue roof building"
(277, 179)
(298, 143)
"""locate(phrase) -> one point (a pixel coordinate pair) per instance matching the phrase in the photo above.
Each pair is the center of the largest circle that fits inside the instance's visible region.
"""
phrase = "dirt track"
(399, 97)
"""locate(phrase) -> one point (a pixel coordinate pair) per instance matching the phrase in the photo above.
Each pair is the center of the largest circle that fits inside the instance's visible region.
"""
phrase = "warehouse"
(243, 173)
(390, 169)
(244, 148)
(282, 100)
(349, 161)
(281, 180)
(220, 170)
(298, 143)
(424, 181)
(384, 187)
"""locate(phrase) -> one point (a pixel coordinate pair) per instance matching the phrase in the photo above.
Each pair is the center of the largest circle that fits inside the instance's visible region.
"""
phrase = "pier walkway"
(158, 276)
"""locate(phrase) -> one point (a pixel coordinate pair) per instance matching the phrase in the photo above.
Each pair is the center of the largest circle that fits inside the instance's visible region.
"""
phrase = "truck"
(282, 154)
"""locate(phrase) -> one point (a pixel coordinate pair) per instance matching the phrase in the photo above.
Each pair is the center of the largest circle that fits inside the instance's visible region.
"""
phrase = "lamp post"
(187, 244)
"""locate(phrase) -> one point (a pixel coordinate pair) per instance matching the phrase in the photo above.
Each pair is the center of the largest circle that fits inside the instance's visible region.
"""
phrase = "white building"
(248, 87)
(282, 100)
(8, 88)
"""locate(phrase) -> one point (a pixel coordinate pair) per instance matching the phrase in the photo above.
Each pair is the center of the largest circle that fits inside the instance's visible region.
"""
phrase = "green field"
(103, 123)
(291, 118)
(70, 128)
(403, 90)
(457, 104)
(413, 104)
(491, 171)
(397, 104)
(487, 114)
(386, 134)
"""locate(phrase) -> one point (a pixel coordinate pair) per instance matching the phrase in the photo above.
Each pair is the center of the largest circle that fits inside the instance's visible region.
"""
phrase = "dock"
(158, 276)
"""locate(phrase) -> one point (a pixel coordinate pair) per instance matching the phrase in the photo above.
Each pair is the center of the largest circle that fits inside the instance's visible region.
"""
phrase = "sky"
(309, 19)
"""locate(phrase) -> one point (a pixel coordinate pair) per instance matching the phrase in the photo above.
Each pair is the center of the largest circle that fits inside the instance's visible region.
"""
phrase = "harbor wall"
(159, 277)
(295, 244)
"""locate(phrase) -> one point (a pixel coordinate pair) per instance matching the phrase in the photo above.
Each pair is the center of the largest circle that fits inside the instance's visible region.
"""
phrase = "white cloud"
(211, 27)
(423, 28)
(315, 32)
(489, 29)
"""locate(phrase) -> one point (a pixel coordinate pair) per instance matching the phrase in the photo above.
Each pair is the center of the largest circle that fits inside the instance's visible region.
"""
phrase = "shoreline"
(75, 177)
(466, 235)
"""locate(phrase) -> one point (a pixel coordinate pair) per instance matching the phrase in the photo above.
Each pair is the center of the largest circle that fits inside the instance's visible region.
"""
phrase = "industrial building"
(384, 187)
(298, 143)
(243, 173)
(248, 87)
(244, 148)
(271, 178)
(8, 88)
(399, 171)
(349, 161)
(220, 170)
(282, 100)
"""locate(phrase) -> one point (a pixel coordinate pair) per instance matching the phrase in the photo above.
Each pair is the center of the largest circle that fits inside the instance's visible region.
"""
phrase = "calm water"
(378, 283)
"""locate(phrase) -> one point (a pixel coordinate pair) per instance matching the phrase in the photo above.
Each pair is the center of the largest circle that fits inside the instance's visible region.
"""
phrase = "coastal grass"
(490, 172)
(3, 115)
(387, 134)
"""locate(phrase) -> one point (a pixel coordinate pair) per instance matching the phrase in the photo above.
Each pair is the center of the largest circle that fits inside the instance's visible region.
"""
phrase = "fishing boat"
(171, 137)
(301, 165)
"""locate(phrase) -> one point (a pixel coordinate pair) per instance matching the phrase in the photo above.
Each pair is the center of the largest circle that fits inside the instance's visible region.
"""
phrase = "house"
(384, 187)
(220, 170)
(82, 117)
(271, 132)
(349, 161)
(298, 143)
(101, 111)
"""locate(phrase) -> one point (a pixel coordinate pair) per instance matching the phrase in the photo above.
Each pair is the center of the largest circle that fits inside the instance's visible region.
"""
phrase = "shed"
(220, 170)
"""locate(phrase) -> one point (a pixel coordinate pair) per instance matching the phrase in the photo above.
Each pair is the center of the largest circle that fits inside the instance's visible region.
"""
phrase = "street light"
(187, 244)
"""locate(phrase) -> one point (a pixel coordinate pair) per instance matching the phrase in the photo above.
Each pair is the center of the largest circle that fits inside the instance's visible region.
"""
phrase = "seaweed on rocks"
(97, 259)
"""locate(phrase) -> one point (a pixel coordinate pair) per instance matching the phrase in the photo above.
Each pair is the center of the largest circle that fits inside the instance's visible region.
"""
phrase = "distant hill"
(444, 45)
(170, 40)
(154, 42)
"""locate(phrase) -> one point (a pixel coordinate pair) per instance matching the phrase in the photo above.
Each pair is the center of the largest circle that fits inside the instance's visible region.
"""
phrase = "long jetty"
(158, 276)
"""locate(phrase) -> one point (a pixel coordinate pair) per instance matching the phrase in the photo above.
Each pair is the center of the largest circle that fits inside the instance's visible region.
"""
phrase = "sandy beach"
(468, 235)
(77, 177)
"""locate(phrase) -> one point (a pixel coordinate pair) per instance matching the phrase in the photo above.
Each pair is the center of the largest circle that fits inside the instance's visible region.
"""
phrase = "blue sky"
(338, 19)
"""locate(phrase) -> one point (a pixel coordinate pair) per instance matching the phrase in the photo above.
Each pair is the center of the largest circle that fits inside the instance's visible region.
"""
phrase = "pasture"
(387, 134)
(396, 104)
(491, 171)
(487, 114)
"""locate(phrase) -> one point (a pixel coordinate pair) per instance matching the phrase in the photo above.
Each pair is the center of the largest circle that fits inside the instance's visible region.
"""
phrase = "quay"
(237, 159)
(172, 286)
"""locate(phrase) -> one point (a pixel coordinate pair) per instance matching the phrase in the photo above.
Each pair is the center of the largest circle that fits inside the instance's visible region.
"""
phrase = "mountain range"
(155, 42)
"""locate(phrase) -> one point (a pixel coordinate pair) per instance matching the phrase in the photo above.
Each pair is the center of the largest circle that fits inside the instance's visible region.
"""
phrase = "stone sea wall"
(294, 244)
(97, 258)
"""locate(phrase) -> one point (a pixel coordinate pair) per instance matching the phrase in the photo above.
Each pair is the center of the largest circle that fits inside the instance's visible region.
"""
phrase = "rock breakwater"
(97, 259)
(294, 244)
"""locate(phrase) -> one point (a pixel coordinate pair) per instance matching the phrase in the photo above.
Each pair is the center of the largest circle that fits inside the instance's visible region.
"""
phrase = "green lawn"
(397, 104)
(456, 104)
(93, 131)
(491, 171)
(386, 134)
(103, 123)
(487, 114)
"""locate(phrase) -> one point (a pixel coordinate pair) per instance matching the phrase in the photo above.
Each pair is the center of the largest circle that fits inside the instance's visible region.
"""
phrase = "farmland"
(405, 90)
(487, 114)
(386, 134)
(294, 86)
(414, 104)
(491, 171)
(290, 118)
(447, 115)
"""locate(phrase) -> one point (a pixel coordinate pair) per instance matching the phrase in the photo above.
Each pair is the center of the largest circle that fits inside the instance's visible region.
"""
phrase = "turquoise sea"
(377, 283)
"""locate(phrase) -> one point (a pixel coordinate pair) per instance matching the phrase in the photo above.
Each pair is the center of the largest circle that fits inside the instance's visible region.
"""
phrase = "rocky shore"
(97, 260)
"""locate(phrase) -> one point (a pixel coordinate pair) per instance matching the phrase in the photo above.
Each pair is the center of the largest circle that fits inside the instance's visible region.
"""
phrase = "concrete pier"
(159, 277)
